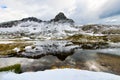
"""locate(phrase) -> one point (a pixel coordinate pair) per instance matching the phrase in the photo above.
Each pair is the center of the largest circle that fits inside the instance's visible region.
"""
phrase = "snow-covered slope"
(59, 27)
(54, 30)
(59, 74)
(40, 30)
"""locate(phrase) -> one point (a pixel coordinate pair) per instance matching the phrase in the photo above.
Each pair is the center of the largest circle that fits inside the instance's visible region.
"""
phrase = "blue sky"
(81, 11)
(3, 6)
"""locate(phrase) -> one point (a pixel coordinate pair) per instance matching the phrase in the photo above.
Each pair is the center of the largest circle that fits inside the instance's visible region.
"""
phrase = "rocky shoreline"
(92, 61)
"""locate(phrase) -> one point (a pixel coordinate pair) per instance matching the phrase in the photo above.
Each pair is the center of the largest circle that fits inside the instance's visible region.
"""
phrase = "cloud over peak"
(82, 11)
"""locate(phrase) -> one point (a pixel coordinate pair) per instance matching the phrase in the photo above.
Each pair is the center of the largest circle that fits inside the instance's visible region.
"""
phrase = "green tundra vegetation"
(87, 38)
(111, 31)
(15, 68)
(114, 38)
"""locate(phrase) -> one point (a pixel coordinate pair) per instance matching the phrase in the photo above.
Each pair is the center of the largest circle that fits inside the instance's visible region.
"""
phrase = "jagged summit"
(61, 18)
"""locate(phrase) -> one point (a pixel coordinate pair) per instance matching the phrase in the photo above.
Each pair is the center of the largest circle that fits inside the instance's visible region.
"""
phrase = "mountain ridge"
(59, 18)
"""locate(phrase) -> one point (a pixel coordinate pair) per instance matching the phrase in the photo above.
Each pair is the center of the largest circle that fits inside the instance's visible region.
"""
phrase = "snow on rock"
(40, 30)
(28, 47)
(16, 49)
(49, 47)
(53, 30)
(5, 42)
(25, 38)
(59, 74)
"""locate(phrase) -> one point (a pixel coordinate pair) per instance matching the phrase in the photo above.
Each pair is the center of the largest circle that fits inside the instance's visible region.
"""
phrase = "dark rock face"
(31, 19)
(16, 22)
(8, 24)
(61, 18)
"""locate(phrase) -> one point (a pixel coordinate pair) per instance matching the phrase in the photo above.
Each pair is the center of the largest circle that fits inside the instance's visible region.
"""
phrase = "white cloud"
(9, 14)
(44, 9)
(110, 20)
(82, 11)
(111, 8)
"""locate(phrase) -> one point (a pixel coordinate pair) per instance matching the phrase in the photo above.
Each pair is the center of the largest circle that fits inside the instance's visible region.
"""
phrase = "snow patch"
(16, 49)
(59, 74)
(28, 47)
(6, 42)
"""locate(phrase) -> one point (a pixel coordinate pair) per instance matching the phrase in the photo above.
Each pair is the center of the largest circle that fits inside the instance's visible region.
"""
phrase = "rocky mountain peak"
(61, 18)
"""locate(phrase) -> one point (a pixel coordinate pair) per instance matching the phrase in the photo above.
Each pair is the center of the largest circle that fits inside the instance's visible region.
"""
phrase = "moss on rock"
(16, 68)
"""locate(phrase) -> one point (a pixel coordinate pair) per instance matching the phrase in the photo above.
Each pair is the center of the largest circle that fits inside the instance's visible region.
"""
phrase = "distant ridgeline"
(59, 18)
